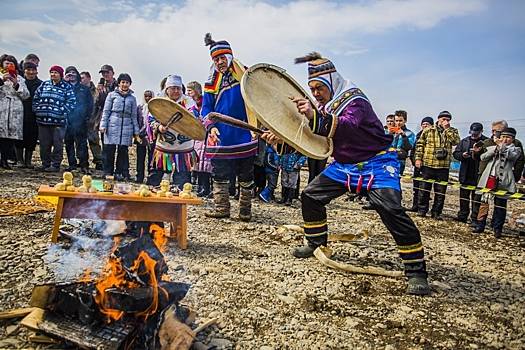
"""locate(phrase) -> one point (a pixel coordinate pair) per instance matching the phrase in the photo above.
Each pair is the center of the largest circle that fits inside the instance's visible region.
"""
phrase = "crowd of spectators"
(68, 109)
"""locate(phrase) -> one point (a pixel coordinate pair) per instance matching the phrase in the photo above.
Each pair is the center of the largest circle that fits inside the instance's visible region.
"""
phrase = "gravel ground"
(244, 274)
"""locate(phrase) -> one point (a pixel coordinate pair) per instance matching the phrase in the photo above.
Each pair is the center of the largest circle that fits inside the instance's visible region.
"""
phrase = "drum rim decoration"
(250, 105)
(196, 129)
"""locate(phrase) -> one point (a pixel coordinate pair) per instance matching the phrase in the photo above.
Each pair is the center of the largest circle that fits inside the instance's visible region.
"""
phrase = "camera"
(441, 153)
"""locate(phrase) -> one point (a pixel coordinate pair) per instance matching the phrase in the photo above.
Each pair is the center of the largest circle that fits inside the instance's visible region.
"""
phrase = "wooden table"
(129, 207)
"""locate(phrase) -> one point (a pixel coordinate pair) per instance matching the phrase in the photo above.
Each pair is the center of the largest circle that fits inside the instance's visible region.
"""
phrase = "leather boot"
(306, 251)
(20, 157)
(28, 157)
(221, 199)
(245, 204)
(418, 285)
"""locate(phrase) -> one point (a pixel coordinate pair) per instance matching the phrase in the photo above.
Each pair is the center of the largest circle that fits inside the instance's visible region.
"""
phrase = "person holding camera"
(433, 156)
(500, 157)
(468, 170)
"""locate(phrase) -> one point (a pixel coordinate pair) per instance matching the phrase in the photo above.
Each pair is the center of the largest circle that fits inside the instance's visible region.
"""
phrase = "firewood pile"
(129, 304)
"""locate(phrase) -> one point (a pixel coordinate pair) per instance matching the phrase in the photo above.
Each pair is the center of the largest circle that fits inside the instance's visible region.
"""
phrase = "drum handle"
(218, 117)
(174, 118)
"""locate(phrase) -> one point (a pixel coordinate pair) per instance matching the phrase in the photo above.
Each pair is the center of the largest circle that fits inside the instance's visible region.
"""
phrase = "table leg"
(182, 227)
(56, 222)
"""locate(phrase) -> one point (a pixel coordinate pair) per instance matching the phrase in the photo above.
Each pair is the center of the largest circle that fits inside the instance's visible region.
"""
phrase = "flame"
(114, 276)
(159, 236)
(149, 263)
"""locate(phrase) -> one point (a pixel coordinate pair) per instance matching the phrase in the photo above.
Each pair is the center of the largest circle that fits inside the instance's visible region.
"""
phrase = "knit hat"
(124, 76)
(509, 132)
(58, 69)
(317, 65)
(323, 70)
(30, 65)
(445, 114)
(217, 47)
(173, 80)
(427, 120)
(476, 127)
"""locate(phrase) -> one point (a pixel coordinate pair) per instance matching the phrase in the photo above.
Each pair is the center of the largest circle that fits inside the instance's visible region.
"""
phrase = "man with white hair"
(173, 152)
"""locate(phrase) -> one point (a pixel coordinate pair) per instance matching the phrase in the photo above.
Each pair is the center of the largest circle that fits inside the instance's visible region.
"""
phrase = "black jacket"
(468, 171)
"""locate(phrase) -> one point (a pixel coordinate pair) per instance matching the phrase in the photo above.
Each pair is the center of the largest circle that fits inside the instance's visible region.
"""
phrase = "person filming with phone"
(468, 171)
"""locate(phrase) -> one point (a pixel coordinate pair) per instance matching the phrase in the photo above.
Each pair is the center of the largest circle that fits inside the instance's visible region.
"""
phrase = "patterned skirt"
(178, 162)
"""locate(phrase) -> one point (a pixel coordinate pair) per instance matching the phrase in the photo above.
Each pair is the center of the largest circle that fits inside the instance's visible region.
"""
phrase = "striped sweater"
(52, 103)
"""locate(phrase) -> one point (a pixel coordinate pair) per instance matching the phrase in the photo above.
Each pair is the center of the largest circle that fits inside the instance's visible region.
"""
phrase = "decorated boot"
(245, 204)
(221, 199)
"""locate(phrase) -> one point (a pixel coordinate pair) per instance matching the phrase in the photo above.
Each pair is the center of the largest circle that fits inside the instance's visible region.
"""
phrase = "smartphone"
(394, 129)
(478, 144)
(102, 81)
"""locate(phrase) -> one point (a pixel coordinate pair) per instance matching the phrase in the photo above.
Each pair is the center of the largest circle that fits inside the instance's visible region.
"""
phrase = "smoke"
(90, 243)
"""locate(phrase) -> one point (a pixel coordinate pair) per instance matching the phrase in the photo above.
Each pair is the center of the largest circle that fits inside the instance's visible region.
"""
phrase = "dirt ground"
(264, 298)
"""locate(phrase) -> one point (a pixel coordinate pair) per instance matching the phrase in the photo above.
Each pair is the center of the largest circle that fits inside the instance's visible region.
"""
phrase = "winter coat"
(80, 115)
(500, 163)
(404, 143)
(290, 162)
(30, 125)
(433, 138)
(468, 170)
(100, 101)
(12, 110)
(518, 165)
(52, 103)
(271, 160)
(119, 118)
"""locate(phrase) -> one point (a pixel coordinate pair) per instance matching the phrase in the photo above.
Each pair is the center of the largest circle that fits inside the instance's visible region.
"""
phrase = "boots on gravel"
(306, 251)
(418, 285)
(245, 204)
(221, 199)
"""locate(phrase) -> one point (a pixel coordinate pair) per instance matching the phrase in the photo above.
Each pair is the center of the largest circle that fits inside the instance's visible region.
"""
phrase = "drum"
(171, 114)
(268, 92)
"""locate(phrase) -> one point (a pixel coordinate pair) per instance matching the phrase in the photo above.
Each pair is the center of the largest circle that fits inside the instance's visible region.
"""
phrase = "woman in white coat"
(12, 91)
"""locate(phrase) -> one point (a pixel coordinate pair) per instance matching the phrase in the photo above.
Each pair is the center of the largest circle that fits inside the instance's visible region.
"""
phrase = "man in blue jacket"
(404, 139)
(231, 149)
(76, 130)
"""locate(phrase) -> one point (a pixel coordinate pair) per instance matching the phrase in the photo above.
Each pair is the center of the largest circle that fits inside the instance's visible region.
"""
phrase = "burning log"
(129, 255)
(75, 300)
(136, 300)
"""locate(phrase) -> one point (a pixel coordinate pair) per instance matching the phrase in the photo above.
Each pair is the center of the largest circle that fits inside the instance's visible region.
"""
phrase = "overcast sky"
(465, 56)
